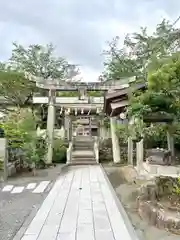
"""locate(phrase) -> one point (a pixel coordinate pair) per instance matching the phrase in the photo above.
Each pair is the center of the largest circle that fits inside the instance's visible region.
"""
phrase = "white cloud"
(78, 28)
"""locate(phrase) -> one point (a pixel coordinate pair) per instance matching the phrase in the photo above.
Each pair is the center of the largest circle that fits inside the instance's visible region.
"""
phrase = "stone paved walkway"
(80, 206)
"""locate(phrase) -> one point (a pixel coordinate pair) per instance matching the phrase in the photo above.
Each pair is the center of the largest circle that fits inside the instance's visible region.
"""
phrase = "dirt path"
(125, 185)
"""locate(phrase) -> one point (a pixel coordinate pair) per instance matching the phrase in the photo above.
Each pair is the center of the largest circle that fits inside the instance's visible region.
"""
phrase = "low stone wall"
(154, 212)
(160, 170)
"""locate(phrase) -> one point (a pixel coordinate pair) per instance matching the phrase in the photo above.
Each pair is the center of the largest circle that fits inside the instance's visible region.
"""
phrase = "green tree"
(15, 90)
(36, 60)
(141, 52)
(162, 94)
(41, 61)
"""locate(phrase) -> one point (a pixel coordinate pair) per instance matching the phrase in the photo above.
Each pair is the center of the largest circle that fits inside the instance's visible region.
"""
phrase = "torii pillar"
(115, 140)
(50, 125)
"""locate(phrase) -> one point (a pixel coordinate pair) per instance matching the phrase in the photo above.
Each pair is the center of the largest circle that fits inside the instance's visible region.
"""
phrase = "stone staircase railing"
(96, 149)
(69, 153)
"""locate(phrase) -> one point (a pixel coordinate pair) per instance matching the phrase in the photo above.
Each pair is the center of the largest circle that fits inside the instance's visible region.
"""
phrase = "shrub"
(24, 145)
(105, 151)
(35, 152)
(59, 151)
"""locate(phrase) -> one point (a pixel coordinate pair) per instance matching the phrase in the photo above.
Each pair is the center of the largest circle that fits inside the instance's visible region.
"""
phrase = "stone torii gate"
(53, 85)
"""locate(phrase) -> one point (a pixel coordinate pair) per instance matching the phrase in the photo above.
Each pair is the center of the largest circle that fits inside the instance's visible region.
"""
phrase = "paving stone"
(85, 231)
(104, 235)
(80, 202)
(29, 237)
(85, 216)
(66, 236)
(49, 232)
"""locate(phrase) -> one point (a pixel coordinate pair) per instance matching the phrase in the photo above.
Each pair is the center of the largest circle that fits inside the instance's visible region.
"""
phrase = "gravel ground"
(16, 208)
(126, 192)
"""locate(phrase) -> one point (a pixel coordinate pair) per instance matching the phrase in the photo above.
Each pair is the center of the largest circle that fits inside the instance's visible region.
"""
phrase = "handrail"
(69, 153)
(96, 149)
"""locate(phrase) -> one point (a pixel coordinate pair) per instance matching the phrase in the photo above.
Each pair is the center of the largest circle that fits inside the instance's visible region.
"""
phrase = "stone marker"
(3, 157)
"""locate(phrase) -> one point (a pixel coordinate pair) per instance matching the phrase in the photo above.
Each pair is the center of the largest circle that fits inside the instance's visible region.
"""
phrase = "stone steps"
(73, 163)
(83, 157)
(83, 152)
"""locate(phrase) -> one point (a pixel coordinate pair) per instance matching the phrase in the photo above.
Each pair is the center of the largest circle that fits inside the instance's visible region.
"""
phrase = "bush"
(105, 151)
(24, 145)
(59, 151)
(156, 136)
(122, 133)
(35, 152)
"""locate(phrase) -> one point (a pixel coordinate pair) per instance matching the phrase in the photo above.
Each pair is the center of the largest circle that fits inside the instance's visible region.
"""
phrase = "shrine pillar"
(115, 140)
(68, 125)
(50, 125)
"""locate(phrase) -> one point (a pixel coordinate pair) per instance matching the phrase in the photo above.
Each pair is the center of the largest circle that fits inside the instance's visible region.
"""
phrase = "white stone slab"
(41, 216)
(85, 231)
(31, 186)
(69, 220)
(117, 222)
(30, 237)
(17, 190)
(80, 202)
(41, 187)
(85, 216)
(66, 236)
(7, 188)
(104, 235)
(49, 232)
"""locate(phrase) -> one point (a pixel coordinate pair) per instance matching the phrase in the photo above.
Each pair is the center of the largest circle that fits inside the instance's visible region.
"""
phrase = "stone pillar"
(50, 125)
(70, 129)
(139, 155)
(90, 126)
(130, 151)
(170, 142)
(115, 141)
(4, 159)
(66, 125)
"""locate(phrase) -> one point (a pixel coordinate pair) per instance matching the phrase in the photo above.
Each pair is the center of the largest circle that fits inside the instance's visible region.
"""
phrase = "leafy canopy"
(37, 60)
(140, 52)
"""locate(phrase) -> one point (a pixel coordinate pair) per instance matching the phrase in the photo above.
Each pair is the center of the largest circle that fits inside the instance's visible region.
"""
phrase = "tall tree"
(15, 90)
(40, 61)
(37, 60)
(163, 91)
(141, 52)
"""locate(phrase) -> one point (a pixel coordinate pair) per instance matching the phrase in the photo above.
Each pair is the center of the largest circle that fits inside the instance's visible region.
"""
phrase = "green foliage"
(105, 151)
(176, 188)
(15, 88)
(35, 151)
(122, 132)
(40, 61)
(1, 164)
(68, 94)
(59, 151)
(16, 134)
(36, 60)
(106, 122)
(20, 130)
(162, 95)
(95, 93)
(140, 52)
(155, 136)
(76, 94)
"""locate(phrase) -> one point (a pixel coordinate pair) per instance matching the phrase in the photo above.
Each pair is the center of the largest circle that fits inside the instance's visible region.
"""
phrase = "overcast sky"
(78, 28)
